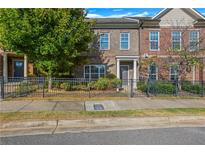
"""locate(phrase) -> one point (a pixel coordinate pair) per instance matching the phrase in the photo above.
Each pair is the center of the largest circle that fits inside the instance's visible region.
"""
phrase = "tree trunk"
(49, 83)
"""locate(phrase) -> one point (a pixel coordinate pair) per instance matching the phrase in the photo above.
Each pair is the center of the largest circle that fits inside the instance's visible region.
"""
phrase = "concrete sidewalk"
(131, 104)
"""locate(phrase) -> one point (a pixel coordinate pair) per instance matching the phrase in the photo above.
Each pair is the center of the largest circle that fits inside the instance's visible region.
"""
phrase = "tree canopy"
(53, 39)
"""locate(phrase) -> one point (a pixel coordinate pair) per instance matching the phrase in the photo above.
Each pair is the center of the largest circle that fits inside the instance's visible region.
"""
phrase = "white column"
(134, 72)
(5, 67)
(118, 68)
(25, 65)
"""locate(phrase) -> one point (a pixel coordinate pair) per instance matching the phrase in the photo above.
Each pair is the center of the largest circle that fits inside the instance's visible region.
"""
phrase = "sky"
(122, 12)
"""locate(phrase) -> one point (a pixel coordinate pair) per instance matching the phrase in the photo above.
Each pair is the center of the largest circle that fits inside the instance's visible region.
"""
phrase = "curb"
(103, 124)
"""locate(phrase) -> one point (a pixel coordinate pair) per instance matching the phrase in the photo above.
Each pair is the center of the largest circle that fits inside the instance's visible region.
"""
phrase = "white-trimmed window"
(94, 71)
(194, 40)
(173, 72)
(176, 40)
(104, 41)
(124, 41)
(154, 41)
(153, 71)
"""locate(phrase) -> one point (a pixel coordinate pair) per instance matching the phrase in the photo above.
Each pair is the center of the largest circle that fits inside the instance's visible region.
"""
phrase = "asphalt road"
(144, 136)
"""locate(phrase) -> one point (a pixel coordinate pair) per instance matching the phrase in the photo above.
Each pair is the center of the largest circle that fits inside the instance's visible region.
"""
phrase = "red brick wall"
(165, 39)
(165, 43)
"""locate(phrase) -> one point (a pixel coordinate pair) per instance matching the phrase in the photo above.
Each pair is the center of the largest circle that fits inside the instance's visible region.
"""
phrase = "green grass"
(54, 115)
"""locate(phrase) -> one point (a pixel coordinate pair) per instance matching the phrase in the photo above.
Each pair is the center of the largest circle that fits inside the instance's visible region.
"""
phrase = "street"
(178, 136)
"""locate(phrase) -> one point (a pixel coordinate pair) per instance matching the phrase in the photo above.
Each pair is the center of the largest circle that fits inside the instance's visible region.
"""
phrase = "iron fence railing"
(81, 87)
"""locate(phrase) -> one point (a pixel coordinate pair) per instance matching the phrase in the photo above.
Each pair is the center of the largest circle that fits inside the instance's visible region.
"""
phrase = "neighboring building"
(122, 43)
(175, 29)
(13, 65)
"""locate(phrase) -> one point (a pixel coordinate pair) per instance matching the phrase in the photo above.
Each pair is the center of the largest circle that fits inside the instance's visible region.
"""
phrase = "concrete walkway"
(136, 103)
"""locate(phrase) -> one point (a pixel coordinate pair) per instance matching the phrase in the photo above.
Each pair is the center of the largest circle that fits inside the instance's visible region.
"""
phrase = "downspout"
(139, 45)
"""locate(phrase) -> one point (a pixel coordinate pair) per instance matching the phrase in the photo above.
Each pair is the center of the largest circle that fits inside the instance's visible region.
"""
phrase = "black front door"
(18, 68)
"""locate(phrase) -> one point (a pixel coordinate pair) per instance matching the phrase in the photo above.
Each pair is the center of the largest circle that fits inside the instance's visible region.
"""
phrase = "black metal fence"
(81, 88)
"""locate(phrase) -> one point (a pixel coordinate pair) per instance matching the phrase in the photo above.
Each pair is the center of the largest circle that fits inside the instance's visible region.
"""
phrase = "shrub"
(111, 76)
(142, 86)
(193, 88)
(164, 88)
(66, 85)
(157, 87)
(114, 83)
(102, 84)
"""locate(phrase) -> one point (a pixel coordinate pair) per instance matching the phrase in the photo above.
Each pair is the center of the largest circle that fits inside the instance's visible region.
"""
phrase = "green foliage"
(54, 39)
(110, 76)
(142, 86)
(105, 83)
(157, 87)
(193, 88)
(164, 88)
(25, 88)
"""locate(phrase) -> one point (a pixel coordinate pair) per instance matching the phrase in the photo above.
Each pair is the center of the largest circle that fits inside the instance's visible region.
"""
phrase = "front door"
(124, 74)
(18, 68)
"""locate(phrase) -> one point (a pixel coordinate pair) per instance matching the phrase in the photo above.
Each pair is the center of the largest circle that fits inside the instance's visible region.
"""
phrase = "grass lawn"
(54, 115)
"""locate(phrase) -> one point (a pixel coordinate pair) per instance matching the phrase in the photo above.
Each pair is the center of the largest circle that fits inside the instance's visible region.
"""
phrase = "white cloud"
(92, 15)
(143, 14)
(130, 14)
(117, 10)
(91, 11)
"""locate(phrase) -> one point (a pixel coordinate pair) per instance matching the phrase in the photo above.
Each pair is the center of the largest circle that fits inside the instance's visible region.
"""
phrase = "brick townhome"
(123, 42)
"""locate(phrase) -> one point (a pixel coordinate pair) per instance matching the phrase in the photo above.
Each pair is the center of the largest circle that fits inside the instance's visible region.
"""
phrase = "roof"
(115, 23)
(192, 12)
(135, 22)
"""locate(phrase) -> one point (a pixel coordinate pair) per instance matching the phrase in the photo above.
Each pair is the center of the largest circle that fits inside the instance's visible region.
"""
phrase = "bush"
(157, 87)
(104, 83)
(164, 88)
(111, 76)
(25, 88)
(66, 85)
(114, 83)
(142, 86)
(193, 88)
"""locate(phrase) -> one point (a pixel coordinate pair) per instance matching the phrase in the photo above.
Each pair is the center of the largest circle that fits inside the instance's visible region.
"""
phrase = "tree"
(53, 39)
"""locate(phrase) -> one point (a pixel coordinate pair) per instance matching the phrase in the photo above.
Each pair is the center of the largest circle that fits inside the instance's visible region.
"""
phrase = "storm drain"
(98, 107)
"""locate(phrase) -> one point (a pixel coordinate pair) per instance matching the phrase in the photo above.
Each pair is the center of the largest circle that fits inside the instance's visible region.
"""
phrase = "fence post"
(148, 88)
(2, 87)
(202, 93)
(176, 88)
(89, 90)
(43, 86)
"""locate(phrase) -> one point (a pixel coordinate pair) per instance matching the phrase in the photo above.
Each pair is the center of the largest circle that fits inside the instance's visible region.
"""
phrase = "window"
(153, 72)
(174, 72)
(94, 71)
(124, 41)
(193, 40)
(104, 41)
(154, 41)
(176, 40)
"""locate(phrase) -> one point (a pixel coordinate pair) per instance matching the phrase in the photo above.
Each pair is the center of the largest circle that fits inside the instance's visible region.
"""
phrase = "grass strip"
(54, 115)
